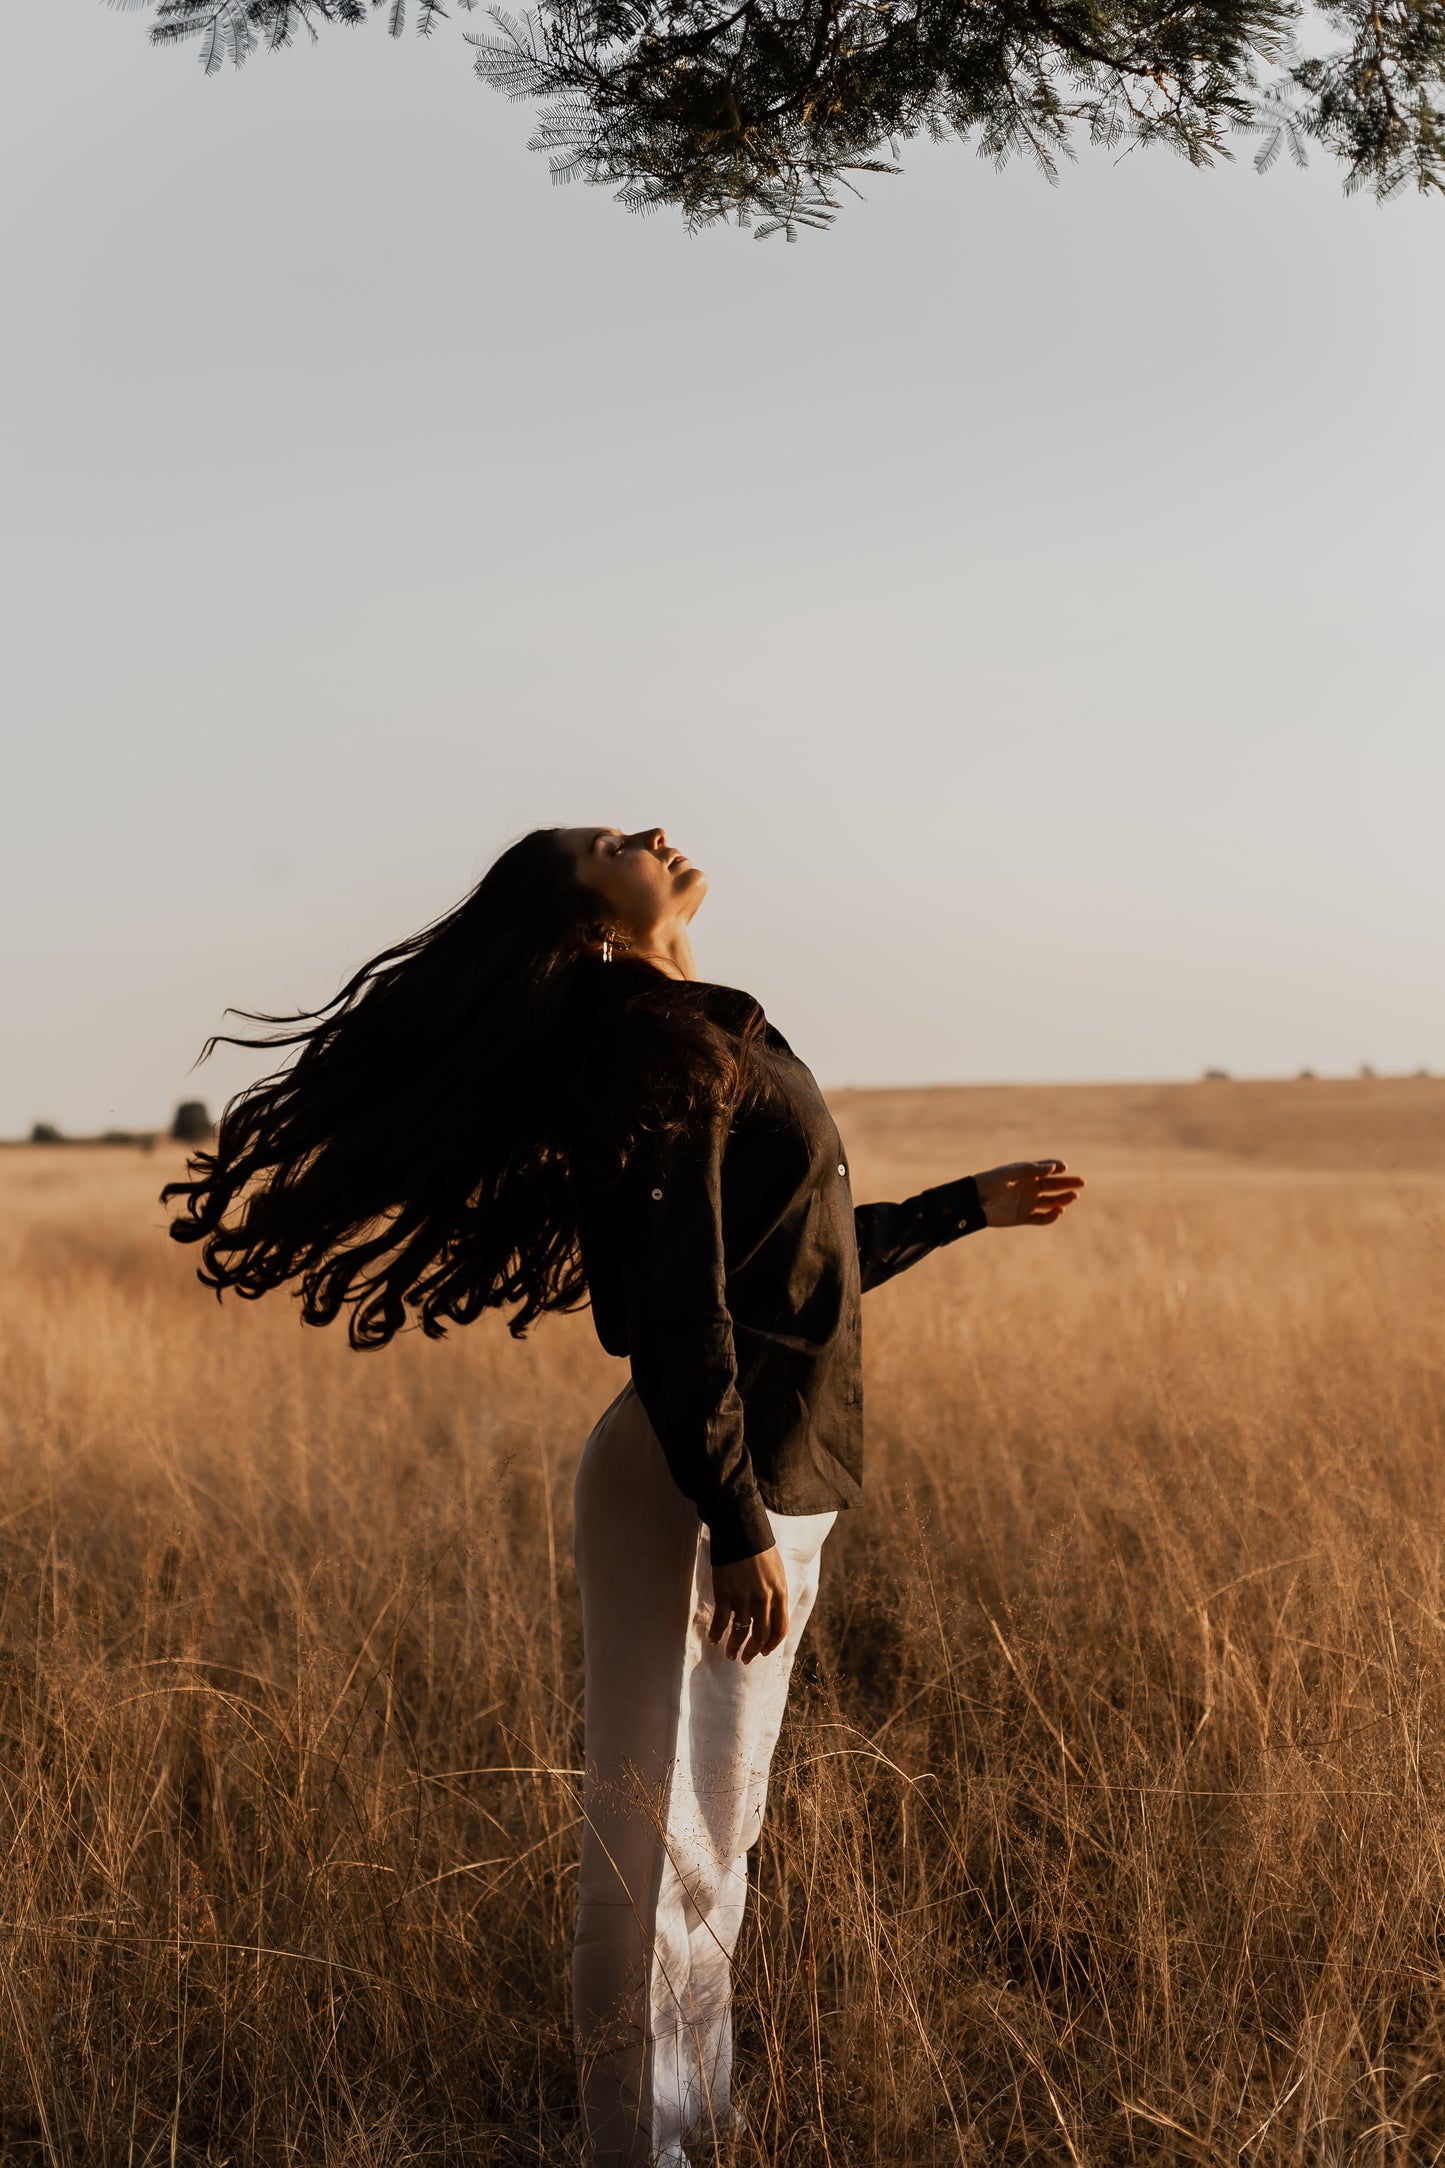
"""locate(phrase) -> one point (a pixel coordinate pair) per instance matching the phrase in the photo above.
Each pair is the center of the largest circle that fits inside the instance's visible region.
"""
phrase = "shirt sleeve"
(893, 1236)
(680, 1336)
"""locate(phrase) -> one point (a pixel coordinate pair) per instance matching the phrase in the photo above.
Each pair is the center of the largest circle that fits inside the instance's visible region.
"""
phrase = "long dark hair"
(426, 1147)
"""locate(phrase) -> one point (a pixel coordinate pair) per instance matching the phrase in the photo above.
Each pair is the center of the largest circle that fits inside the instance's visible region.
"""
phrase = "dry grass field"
(1108, 1820)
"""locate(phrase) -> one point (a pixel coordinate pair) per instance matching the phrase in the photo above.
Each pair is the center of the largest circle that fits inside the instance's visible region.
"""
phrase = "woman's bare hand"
(1029, 1193)
(752, 1593)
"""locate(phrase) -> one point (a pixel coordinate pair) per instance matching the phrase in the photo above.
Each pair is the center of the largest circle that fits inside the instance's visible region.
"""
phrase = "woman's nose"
(651, 839)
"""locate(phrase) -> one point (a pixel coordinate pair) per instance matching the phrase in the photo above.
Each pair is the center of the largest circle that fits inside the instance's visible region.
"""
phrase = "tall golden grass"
(1107, 1823)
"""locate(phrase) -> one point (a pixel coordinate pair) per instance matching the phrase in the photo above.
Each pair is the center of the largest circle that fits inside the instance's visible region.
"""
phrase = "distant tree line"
(764, 111)
(1365, 1070)
(191, 1124)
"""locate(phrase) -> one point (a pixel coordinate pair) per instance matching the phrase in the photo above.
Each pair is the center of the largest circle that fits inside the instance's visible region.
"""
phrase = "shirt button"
(842, 1169)
(656, 1196)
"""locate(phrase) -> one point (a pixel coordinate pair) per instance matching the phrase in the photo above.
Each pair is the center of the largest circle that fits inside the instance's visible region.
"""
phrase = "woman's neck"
(670, 952)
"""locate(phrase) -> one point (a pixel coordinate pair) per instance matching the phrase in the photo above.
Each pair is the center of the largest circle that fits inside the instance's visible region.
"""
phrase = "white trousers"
(678, 1744)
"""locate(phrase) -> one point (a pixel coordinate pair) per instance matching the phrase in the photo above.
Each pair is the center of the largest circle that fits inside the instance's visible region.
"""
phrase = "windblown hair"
(427, 1146)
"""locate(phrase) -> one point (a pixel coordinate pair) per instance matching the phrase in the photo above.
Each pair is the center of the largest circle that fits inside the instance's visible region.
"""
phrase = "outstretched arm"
(891, 1237)
(1027, 1193)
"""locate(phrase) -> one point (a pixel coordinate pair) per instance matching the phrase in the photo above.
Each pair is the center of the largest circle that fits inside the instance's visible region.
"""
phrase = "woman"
(532, 1102)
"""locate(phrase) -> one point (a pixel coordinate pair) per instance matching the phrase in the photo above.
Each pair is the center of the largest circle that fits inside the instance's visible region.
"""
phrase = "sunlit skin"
(650, 893)
(650, 890)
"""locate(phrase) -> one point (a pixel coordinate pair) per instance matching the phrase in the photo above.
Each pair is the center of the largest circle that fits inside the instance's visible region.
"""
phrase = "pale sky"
(1023, 602)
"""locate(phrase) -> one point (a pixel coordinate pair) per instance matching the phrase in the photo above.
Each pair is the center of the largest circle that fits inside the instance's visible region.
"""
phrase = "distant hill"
(1365, 1124)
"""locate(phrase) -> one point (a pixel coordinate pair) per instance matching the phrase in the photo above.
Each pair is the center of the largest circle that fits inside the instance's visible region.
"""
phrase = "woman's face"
(645, 885)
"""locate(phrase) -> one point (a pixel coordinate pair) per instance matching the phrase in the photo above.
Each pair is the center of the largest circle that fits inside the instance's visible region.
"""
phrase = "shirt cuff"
(974, 1217)
(738, 1528)
(956, 1208)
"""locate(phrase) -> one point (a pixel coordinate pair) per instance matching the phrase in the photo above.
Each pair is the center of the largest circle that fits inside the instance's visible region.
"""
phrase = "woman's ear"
(602, 943)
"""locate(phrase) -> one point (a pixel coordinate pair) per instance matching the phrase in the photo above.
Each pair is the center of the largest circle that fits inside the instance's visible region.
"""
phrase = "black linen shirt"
(727, 1265)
